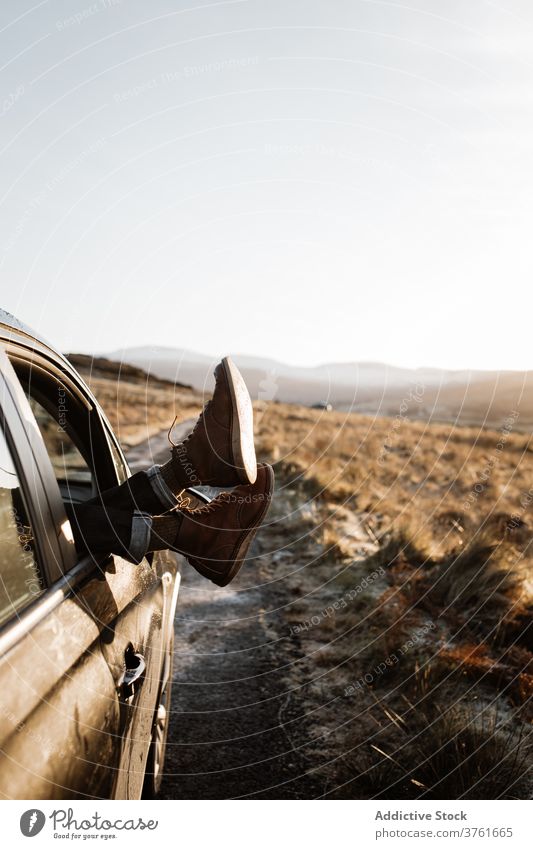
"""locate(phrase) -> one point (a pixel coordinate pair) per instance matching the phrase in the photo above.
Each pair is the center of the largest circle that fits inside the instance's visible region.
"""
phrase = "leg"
(219, 452)
(215, 538)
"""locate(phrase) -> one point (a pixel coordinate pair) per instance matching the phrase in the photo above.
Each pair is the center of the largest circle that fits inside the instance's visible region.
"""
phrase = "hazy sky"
(313, 181)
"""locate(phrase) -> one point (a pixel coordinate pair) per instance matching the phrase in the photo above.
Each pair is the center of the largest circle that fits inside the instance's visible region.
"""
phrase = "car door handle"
(132, 677)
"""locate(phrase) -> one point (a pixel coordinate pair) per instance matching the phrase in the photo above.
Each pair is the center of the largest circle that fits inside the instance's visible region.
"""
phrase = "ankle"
(178, 472)
(164, 531)
(170, 477)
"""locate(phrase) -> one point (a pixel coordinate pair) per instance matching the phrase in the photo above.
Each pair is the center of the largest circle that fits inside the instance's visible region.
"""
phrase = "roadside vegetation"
(437, 664)
(406, 554)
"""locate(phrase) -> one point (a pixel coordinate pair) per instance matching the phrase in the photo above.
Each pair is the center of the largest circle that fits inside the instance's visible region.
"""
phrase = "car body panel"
(68, 728)
(58, 697)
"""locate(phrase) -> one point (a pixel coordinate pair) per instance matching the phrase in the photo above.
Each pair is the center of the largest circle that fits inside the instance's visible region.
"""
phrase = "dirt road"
(253, 705)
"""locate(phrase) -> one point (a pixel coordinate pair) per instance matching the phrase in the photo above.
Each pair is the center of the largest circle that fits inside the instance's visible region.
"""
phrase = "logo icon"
(32, 822)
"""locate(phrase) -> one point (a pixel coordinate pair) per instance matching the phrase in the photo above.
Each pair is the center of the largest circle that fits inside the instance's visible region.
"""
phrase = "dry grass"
(136, 404)
(453, 748)
(447, 512)
(452, 510)
(429, 478)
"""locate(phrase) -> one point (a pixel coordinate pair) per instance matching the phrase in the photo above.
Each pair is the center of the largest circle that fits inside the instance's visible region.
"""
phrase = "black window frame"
(84, 424)
(99, 436)
(63, 572)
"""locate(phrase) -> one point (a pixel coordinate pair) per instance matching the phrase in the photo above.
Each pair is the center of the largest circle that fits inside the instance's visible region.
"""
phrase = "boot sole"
(242, 424)
(242, 549)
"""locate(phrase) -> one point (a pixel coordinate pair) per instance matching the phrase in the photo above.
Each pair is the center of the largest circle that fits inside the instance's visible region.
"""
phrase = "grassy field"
(412, 607)
(136, 404)
(440, 674)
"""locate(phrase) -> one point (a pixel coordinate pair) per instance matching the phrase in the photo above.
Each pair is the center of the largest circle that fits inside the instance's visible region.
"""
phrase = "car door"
(57, 706)
(127, 602)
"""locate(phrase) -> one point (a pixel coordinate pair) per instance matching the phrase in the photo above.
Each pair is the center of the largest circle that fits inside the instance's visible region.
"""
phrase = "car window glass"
(54, 410)
(67, 461)
(78, 445)
(20, 579)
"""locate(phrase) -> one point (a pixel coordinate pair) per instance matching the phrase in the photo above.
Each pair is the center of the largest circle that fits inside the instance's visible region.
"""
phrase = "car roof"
(12, 328)
(14, 331)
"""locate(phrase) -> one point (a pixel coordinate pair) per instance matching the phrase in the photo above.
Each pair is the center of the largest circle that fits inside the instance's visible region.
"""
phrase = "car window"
(82, 453)
(60, 418)
(20, 580)
(67, 461)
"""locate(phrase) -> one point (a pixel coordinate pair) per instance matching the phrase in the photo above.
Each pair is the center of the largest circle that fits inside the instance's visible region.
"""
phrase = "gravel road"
(242, 722)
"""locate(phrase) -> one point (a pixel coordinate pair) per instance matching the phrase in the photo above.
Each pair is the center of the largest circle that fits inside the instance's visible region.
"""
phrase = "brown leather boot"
(220, 450)
(215, 538)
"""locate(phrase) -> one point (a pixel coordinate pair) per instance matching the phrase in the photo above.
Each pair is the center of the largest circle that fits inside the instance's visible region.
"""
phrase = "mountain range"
(469, 397)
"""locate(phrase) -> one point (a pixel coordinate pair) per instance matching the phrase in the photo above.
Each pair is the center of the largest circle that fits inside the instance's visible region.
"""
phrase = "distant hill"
(468, 397)
(114, 369)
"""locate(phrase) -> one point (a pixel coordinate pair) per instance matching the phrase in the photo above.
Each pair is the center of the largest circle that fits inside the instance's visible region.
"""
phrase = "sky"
(309, 180)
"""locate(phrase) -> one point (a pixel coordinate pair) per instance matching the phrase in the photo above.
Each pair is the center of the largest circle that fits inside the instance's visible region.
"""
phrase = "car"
(86, 644)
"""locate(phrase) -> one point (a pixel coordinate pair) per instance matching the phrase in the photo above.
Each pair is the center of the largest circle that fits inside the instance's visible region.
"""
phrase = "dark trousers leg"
(143, 492)
(119, 520)
(105, 530)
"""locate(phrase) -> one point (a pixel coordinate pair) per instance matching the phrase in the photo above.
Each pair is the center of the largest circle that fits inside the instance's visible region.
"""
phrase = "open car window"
(68, 463)
(60, 419)
(82, 453)
(70, 440)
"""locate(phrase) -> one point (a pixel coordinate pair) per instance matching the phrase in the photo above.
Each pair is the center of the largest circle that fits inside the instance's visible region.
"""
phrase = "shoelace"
(215, 504)
(183, 501)
(199, 421)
